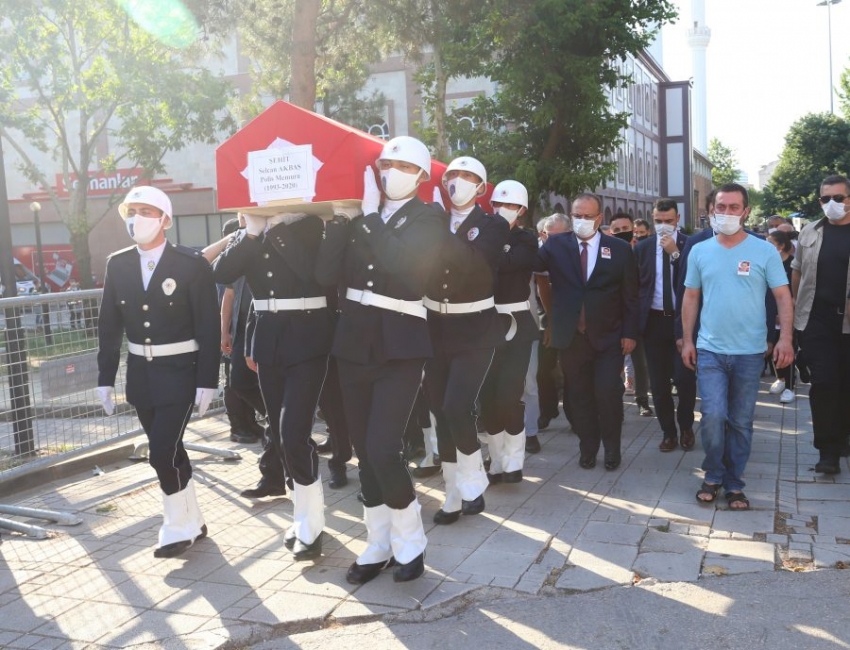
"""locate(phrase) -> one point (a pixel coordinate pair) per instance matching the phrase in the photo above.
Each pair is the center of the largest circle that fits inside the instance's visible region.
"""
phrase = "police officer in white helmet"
(466, 329)
(383, 259)
(502, 410)
(164, 298)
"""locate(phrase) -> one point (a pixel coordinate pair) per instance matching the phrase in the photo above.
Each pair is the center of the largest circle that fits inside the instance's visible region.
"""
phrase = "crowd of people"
(453, 336)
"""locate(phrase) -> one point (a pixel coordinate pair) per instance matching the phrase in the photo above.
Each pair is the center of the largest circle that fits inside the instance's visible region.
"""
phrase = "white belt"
(508, 308)
(458, 307)
(290, 304)
(164, 350)
(371, 299)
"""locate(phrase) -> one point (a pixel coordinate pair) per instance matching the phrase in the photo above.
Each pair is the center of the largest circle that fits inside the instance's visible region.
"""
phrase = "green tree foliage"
(724, 164)
(76, 76)
(816, 146)
(550, 124)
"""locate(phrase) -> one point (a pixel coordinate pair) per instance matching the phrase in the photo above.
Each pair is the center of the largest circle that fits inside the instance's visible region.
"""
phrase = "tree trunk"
(302, 87)
(440, 82)
(80, 246)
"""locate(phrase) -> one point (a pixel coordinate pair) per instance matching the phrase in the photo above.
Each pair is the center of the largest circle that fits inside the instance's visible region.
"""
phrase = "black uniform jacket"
(646, 252)
(392, 259)
(513, 283)
(180, 304)
(610, 296)
(466, 272)
(280, 264)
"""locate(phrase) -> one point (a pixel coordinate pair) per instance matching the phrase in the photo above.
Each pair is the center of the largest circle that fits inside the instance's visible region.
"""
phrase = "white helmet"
(469, 164)
(149, 196)
(510, 192)
(409, 150)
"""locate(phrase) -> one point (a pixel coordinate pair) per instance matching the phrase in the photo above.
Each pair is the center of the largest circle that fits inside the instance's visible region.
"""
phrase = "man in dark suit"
(658, 264)
(165, 298)
(594, 310)
(381, 261)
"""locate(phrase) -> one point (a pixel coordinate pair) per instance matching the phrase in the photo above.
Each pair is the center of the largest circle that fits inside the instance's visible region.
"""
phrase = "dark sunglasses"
(838, 198)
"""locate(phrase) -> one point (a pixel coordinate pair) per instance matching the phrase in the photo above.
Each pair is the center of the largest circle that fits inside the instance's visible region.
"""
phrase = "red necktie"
(582, 326)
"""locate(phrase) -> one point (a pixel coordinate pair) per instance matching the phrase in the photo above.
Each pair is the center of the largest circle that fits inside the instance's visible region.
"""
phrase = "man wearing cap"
(381, 261)
(288, 339)
(164, 298)
(465, 328)
(502, 410)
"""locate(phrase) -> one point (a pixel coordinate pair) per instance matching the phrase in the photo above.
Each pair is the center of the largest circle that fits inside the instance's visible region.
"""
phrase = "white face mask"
(584, 228)
(462, 191)
(509, 215)
(398, 184)
(144, 230)
(834, 211)
(727, 224)
(662, 229)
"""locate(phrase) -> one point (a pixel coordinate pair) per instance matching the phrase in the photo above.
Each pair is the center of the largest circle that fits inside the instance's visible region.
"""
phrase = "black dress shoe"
(828, 464)
(244, 438)
(643, 407)
(425, 472)
(443, 518)
(289, 540)
(587, 462)
(360, 574)
(474, 507)
(612, 461)
(411, 570)
(338, 479)
(264, 489)
(302, 551)
(532, 445)
(177, 548)
(494, 478)
(512, 477)
(324, 447)
(360, 497)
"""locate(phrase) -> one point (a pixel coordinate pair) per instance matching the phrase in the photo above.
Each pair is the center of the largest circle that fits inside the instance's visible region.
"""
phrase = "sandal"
(737, 497)
(709, 490)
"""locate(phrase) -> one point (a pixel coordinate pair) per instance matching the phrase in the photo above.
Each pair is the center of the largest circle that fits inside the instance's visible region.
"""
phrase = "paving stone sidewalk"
(563, 529)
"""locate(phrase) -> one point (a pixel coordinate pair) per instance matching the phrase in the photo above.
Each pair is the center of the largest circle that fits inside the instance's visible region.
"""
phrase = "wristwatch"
(674, 256)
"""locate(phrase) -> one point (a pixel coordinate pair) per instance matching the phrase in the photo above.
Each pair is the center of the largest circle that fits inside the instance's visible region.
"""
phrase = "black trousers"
(547, 385)
(164, 426)
(502, 408)
(595, 392)
(454, 383)
(291, 394)
(240, 414)
(378, 399)
(786, 374)
(330, 401)
(420, 419)
(641, 371)
(665, 363)
(827, 353)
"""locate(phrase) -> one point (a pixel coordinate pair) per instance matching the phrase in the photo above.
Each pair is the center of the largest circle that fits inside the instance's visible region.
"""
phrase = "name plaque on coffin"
(288, 159)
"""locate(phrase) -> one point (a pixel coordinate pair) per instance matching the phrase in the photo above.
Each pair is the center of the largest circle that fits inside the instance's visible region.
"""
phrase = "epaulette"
(186, 250)
(121, 252)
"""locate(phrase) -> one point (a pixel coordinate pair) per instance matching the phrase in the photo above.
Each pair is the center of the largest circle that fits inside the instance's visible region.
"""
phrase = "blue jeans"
(728, 388)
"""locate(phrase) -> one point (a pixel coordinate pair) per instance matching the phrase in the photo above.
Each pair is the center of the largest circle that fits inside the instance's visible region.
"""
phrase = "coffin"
(288, 159)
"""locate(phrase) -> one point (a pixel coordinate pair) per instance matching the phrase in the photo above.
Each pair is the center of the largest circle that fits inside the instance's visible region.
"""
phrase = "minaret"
(698, 37)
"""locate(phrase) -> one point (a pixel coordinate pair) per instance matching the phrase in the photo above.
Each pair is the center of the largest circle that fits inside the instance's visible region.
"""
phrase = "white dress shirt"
(457, 218)
(592, 251)
(149, 259)
(658, 292)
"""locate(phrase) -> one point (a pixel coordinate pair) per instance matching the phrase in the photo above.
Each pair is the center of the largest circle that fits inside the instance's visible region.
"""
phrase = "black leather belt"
(661, 312)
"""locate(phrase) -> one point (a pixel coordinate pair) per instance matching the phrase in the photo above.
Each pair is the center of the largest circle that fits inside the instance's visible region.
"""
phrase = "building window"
(655, 173)
(640, 171)
(648, 173)
(631, 169)
(647, 111)
(639, 105)
(621, 167)
(654, 108)
(467, 123)
(380, 129)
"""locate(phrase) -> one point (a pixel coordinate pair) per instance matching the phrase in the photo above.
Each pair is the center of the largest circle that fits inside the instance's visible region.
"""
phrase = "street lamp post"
(828, 4)
(35, 208)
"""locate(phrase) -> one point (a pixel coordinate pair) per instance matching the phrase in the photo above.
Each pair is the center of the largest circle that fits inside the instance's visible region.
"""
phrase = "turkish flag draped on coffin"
(288, 159)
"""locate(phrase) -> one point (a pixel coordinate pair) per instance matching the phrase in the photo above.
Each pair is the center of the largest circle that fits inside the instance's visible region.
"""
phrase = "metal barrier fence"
(49, 409)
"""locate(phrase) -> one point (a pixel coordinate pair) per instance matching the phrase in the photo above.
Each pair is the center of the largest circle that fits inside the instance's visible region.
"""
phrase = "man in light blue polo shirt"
(731, 272)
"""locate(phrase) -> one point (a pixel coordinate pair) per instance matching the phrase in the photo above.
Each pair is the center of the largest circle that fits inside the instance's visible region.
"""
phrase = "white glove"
(203, 397)
(438, 197)
(286, 218)
(371, 193)
(254, 224)
(104, 394)
(348, 213)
